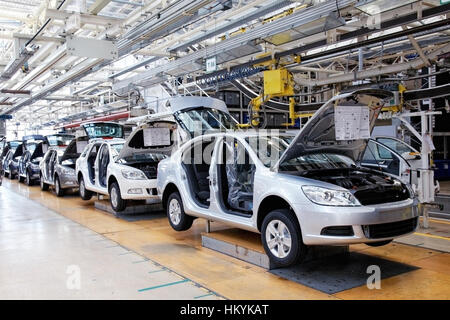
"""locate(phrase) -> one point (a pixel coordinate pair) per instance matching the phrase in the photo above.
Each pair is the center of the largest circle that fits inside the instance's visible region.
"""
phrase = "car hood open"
(319, 135)
(135, 144)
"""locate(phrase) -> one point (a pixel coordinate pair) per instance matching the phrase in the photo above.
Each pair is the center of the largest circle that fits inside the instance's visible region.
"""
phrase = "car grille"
(385, 195)
(388, 230)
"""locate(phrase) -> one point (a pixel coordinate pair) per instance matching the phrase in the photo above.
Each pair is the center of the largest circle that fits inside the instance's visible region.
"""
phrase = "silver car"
(57, 168)
(296, 191)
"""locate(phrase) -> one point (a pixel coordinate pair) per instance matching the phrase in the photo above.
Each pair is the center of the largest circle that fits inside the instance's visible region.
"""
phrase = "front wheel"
(282, 238)
(84, 193)
(20, 178)
(58, 190)
(44, 186)
(379, 243)
(117, 203)
(178, 219)
(5, 174)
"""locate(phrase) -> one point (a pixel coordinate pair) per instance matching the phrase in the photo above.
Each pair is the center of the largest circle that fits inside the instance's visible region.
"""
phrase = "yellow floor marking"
(431, 236)
(439, 221)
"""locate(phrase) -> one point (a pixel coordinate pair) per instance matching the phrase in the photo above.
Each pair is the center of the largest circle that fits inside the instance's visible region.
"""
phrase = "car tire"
(11, 175)
(115, 198)
(5, 174)
(282, 238)
(20, 178)
(84, 193)
(379, 243)
(28, 179)
(58, 190)
(44, 186)
(178, 219)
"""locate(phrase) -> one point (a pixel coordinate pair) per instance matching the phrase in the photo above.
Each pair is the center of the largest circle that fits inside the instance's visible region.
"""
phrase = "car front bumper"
(365, 223)
(68, 181)
(138, 189)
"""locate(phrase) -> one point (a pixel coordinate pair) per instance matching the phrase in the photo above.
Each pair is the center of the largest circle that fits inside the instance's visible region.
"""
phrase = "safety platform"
(246, 246)
(133, 208)
(325, 268)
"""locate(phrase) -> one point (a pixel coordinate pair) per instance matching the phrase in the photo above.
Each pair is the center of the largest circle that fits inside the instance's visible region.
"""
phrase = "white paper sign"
(81, 145)
(156, 137)
(352, 123)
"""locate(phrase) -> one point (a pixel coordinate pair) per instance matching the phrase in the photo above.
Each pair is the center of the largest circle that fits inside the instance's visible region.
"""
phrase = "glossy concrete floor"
(47, 256)
(45, 241)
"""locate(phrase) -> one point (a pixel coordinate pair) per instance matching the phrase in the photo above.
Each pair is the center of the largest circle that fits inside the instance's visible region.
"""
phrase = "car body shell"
(11, 160)
(29, 161)
(52, 167)
(272, 184)
(91, 174)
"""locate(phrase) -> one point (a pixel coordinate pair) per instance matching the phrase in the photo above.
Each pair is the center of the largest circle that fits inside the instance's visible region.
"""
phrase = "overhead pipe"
(111, 117)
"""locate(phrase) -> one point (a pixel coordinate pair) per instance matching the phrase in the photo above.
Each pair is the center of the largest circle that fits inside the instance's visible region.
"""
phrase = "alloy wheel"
(114, 197)
(278, 238)
(175, 211)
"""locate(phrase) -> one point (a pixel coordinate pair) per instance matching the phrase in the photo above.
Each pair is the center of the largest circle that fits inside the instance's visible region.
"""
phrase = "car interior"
(72, 153)
(103, 162)
(236, 174)
(197, 170)
(92, 156)
(51, 165)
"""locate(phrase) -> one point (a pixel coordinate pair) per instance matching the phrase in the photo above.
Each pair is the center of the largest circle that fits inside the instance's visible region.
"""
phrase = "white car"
(93, 170)
(127, 170)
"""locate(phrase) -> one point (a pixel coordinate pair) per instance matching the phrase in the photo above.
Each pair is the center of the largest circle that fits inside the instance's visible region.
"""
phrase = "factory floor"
(63, 248)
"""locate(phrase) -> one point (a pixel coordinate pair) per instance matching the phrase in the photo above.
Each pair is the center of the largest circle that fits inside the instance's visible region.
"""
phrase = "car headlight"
(133, 175)
(329, 197)
(68, 171)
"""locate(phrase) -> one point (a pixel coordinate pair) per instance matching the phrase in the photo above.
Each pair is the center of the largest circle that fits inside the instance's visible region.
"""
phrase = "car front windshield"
(270, 149)
(31, 146)
(59, 140)
(145, 157)
(102, 130)
(115, 149)
(200, 120)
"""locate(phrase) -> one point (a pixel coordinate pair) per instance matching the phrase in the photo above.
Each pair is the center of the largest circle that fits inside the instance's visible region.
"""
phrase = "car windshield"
(101, 130)
(269, 148)
(59, 140)
(398, 146)
(316, 161)
(115, 149)
(14, 145)
(31, 146)
(145, 157)
(198, 121)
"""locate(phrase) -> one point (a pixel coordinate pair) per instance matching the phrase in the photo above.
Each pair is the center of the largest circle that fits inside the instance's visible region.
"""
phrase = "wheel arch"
(110, 181)
(168, 190)
(270, 203)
